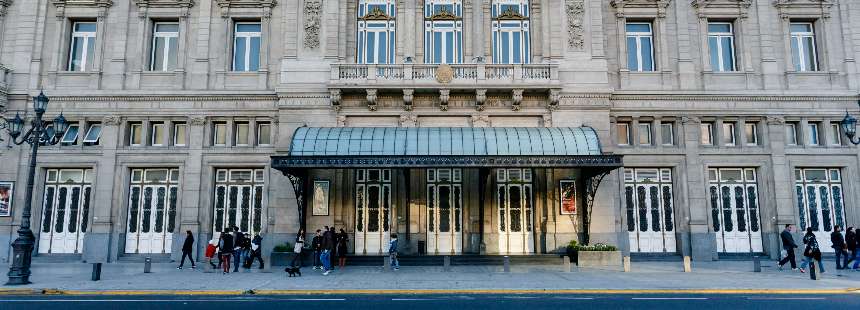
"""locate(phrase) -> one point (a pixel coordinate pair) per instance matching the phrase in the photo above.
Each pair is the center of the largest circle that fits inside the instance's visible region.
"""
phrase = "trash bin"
(422, 249)
(97, 271)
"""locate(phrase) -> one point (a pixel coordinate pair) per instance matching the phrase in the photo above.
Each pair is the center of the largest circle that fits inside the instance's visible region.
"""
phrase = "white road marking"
(575, 298)
(669, 298)
(318, 299)
(409, 299)
(786, 298)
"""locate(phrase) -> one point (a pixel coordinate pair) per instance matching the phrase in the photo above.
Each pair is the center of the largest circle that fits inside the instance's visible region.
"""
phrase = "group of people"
(330, 248)
(844, 245)
(233, 245)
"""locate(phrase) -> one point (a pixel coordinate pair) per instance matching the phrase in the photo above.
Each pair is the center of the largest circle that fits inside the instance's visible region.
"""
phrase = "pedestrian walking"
(187, 246)
(298, 248)
(839, 247)
(256, 251)
(327, 248)
(225, 247)
(788, 246)
(247, 251)
(237, 248)
(316, 244)
(811, 252)
(392, 252)
(210, 252)
(342, 241)
(332, 257)
(851, 244)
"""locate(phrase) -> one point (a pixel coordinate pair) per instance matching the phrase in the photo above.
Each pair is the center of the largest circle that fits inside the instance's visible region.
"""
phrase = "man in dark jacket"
(316, 244)
(237, 248)
(225, 250)
(327, 247)
(186, 250)
(256, 252)
(851, 243)
(839, 247)
(788, 245)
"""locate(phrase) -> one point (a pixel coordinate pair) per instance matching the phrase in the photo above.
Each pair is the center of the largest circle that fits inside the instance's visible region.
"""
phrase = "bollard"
(147, 265)
(687, 267)
(386, 263)
(626, 263)
(97, 271)
(507, 263)
(446, 263)
(566, 263)
(813, 273)
(756, 264)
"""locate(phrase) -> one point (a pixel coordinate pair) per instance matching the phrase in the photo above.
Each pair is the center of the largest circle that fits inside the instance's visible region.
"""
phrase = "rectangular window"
(238, 200)
(375, 37)
(640, 49)
(179, 132)
(721, 42)
(219, 134)
(241, 132)
(510, 31)
(803, 49)
(791, 133)
(246, 47)
(835, 134)
(812, 136)
(82, 48)
(71, 135)
(644, 134)
(264, 134)
(729, 134)
(751, 133)
(93, 134)
(165, 47)
(156, 134)
(443, 31)
(706, 130)
(667, 133)
(135, 134)
(623, 132)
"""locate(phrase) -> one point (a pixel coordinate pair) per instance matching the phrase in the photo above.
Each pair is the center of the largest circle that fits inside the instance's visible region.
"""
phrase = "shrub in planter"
(282, 254)
(598, 254)
(283, 248)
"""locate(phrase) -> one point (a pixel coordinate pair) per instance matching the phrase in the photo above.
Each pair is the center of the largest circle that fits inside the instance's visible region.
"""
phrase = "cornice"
(183, 5)
(140, 98)
(61, 5)
(687, 97)
(265, 5)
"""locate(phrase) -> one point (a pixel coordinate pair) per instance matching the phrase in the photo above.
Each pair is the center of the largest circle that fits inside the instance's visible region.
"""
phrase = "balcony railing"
(425, 75)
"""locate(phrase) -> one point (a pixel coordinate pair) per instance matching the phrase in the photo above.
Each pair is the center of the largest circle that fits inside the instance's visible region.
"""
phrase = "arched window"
(376, 31)
(510, 23)
(443, 31)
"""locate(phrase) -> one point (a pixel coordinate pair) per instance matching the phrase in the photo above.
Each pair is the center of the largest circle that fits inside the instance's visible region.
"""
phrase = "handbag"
(783, 253)
(297, 248)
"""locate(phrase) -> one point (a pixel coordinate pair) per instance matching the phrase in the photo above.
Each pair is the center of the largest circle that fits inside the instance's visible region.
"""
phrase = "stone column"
(189, 210)
(700, 244)
(99, 245)
(782, 212)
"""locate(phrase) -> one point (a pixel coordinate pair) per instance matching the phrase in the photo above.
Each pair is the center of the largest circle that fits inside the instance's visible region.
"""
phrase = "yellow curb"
(435, 291)
(20, 291)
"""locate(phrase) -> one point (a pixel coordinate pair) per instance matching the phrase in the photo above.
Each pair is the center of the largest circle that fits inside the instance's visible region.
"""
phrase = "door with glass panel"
(238, 200)
(443, 31)
(152, 204)
(65, 210)
(372, 211)
(650, 211)
(514, 201)
(819, 202)
(735, 209)
(444, 211)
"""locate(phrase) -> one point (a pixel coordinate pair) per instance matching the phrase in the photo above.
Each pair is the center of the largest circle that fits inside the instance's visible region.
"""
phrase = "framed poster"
(320, 206)
(6, 189)
(568, 196)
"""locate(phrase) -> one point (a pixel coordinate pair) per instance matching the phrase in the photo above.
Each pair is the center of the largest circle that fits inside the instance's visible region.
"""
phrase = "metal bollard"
(97, 272)
(687, 267)
(507, 263)
(565, 260)
(626, 263)
(813, 273)
(756, 264)
(446, 263)
(386, 263)
(147, 265)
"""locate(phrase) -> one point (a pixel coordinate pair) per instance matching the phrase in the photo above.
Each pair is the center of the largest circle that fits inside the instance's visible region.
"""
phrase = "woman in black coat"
(342, 240)
(187, 246)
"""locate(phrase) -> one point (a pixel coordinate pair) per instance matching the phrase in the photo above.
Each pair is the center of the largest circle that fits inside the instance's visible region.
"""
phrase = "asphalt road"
(437, 302)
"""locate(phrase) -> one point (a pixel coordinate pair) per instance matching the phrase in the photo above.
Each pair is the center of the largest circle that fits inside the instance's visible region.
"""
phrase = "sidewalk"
(721, 275)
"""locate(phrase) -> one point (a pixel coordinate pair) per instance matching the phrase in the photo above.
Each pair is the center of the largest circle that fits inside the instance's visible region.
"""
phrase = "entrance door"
(514, 201)
(65, 210)
(735, 209)
(151, 210)
(372, 211)
(650, 213)
(819, 202)
(444, 211)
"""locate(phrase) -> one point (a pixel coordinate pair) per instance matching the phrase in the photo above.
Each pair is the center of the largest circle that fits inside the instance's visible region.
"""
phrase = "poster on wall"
(6, 189)
(568, 196)
(320, 198)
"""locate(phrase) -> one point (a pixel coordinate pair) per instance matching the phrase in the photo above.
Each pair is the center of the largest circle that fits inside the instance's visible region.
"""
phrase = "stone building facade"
(725, 111)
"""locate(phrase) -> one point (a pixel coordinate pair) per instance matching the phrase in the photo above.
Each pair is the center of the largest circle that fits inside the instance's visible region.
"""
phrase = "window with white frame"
(667, 133)
(706, 131)
(510, 25)
(751, 133)
(644, 133)
(241, 133)
(156, 134)
(71, 135)
(623, 133)
(835, 134)
(443, 31)
(376, 35)
(82, 47)
(640, 46)
(803, 49)
(264, 133)
(729, 134)
(135, 134)
(179, 133)
(246, 46)
(94, 132)
(721, 42)
(238, 199)
(812, 137)
(165, 46)
(219, 134)
(791, 133)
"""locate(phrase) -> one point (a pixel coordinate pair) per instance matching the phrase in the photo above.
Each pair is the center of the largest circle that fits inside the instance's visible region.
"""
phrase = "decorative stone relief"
(341, 121)
(789, 8)
(575, 32)
(312, 11)
(554, 98)
(407, 98)
(265, 5)
(690, 120)
(444, 95)
(4, 7)
(657, 7)
(444, 74)
(197, 120)
(480, 99)
(101, 5)
(721, 7)
(111, 120)
(547, 120)
(408, 120)
(371, 99)
(775, 120)
(144, 5)
(517, 99)
(480, 120)
(334, 98)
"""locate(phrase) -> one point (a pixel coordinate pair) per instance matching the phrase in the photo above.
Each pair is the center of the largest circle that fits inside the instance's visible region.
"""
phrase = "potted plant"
(572, 250)
(596, 255)
(282, 254)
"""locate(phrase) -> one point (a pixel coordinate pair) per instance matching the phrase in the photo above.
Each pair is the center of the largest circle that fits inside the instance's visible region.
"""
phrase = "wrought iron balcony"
(434, 76)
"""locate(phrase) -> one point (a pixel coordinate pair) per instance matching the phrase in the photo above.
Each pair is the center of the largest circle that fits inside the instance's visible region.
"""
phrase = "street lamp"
(849, 127)
(40, 133)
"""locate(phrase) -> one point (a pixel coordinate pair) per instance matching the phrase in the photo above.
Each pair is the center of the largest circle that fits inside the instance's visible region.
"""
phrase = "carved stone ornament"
(444, 14)
(516, 99)
(721, 7)
(510, 14)
(480, 120)
(686, 119)
(197, 120)
(775, 120)
(376, 14)
(547, 120)
(144, 5)
(334, 98)
(554, 98)
(444, 74)
(341, 121)
(265, 5)
(575, 33)
(312, 10)
(444, 95)
(480, 99)
(789, 8)
(371, 99)
(4, 7)
(408, 120)
(407, 98)
(658, 7)
(111, 120)
(102, 5)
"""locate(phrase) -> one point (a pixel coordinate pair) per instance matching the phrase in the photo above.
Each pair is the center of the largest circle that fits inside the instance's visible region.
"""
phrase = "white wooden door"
(735, 210)
(650, 210)
(820, 203)
(515, 211)
(373, 211)
(65, 211)
(444, 214)
(153, 197)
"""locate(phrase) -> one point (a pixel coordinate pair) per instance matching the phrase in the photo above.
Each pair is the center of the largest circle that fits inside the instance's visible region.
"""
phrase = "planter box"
(599, 259)
(282, 259)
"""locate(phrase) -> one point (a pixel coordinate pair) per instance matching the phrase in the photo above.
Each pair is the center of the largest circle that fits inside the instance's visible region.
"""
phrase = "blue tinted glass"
(254, 55)
(715, 57)
(495, 47)
(247, 27)
(371, 47)
(517, 55)
(527, 53)
(728, 58)
(360, 47)
(85, 27)
(239, 55)
(795, 54)
(506, 47)
(719, 27)
(449, 47)
(808, 54)
(459, 47)
(632, 60)
(437, 47)
(638, 27)
(167, 28)
(391, 42)
(647, 61)
(383, 48)
(801, 28)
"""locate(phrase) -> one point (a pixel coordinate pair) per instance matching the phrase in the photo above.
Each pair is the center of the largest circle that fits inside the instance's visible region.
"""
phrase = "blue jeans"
(806, 261)
(841, 258)
(317, 262)
(237, 258)
(325, 257)
(856, 259)
(394, 262)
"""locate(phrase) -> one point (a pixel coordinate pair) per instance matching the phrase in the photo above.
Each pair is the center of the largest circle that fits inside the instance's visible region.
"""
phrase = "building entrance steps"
(458, 260)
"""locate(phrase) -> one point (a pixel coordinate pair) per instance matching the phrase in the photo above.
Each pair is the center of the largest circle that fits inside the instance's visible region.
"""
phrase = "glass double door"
(650, 212)
(820, 203)
(152, 211)
(444, 211)
(515, 211)
(372, 211)
(65, 211)
(735, 210)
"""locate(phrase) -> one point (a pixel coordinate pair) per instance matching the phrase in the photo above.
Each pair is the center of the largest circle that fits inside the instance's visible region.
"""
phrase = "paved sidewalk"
(722, 275)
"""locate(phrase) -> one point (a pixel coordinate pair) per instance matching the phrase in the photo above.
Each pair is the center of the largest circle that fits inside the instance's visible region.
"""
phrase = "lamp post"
(40, 133)
(849, 127)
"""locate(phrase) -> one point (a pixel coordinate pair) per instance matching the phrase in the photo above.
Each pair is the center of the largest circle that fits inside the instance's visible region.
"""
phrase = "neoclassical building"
(665, 127)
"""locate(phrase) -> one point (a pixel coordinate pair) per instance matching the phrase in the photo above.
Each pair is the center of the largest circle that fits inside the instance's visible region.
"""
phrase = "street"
(438, 301)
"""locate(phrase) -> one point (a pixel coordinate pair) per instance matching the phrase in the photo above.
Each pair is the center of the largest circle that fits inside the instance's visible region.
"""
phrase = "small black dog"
(293, 271)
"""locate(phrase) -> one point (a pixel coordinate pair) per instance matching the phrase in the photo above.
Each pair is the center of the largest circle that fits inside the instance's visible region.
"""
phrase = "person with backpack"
(187, 246)
(852, 243)
(225, 248)
(811, 252)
